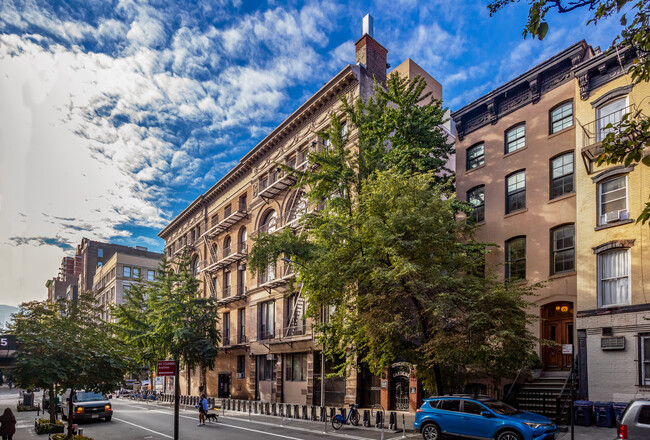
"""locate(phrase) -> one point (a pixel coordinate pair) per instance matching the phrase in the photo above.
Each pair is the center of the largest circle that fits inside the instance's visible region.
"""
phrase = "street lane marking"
(142, 427)
(237, 416)
(259, 432)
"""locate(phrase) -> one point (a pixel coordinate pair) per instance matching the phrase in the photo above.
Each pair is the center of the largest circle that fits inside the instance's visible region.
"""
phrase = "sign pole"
(573, 391)
(177, 400)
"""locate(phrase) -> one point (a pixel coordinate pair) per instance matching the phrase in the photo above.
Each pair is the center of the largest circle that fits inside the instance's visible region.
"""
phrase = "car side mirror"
(487, 414)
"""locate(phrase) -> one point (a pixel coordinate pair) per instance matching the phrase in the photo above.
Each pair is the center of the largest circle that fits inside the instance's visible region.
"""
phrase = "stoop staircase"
(549, 395)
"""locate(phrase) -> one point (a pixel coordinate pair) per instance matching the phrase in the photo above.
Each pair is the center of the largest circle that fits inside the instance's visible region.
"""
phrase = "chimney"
(370, 53)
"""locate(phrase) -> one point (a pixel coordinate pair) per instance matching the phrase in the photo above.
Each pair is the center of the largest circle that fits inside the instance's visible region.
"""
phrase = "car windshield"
(500, 407)
(84, 396)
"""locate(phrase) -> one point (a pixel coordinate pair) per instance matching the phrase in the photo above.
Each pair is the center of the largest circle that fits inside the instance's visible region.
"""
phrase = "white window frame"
(644, 358)
(600, 278)
(600, 132)
(600, 198)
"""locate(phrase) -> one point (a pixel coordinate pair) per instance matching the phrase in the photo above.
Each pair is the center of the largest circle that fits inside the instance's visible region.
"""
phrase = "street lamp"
(322, 353)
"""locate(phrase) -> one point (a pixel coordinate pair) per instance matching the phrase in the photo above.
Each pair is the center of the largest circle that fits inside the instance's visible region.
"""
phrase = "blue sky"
(114, 115)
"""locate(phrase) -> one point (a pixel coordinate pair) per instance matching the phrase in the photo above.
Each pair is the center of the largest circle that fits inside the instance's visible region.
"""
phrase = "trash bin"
(604, 414)
(28, 398)
(583, 412)
(619, 407)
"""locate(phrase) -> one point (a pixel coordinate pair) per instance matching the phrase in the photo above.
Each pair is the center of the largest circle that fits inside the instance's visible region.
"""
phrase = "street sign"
(567, 348)
(7, 342)
(166, 368)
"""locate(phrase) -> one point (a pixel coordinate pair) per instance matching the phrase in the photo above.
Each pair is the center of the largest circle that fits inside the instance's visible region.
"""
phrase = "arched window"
(270, 223)
(226, 246)
(298, 206)
(195, 266)
(213, 252)
(243, 237)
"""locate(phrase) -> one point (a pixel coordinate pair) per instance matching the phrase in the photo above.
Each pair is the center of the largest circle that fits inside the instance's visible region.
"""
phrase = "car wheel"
(431, 432)
(508, 435)
(108, 419)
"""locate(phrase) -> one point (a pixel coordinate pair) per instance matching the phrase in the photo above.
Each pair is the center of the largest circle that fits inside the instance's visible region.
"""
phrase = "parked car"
(634, 423)
(480, 418)
(86, 405)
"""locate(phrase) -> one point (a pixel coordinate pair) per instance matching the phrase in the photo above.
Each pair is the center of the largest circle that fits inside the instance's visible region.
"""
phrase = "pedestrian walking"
(7, 425)
(203, 408)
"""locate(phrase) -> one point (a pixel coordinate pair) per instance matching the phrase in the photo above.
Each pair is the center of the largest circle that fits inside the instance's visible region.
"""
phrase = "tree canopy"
(168, 318)
(387, 254)
(67, 344)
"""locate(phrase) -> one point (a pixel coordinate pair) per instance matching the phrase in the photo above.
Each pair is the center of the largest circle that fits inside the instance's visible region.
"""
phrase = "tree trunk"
(70, 414)
(438, 377)
(205, 383)
(52, 407)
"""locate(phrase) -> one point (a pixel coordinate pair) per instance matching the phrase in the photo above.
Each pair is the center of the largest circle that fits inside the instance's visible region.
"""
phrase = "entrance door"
(400, 393)
(557, 326)
(225, 385)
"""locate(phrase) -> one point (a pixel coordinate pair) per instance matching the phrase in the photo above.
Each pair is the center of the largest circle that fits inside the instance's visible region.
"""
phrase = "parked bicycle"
(353, 417)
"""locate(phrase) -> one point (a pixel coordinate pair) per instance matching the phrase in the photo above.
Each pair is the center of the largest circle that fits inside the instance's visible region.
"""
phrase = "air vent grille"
(613, 343)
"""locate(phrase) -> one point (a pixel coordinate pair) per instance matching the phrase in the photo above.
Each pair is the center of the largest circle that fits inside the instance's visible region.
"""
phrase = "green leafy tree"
(401, 276)
(631, 136)
(67, 344)
(168, 318)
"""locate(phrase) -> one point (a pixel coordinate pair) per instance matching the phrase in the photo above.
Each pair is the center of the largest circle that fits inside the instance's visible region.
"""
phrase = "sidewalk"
(590, 433)
(25, 420)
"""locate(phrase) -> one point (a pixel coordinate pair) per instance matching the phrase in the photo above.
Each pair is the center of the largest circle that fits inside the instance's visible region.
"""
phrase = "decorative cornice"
(526, 88)
(331, 89)
(603, 68)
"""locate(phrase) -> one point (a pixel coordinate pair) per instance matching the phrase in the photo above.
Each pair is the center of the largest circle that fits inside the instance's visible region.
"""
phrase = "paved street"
(135, 421)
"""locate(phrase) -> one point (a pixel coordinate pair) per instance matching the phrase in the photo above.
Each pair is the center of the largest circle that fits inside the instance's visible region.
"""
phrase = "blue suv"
(480, 418)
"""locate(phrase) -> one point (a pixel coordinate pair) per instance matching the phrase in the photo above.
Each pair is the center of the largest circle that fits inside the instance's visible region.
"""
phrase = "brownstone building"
(269, 350)
(516, 164)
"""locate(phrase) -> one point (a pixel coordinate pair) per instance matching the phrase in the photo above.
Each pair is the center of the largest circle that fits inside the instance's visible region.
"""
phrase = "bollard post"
(382, 425)
(223, 407)
(249, 411)
(366, 418)
(403, 426)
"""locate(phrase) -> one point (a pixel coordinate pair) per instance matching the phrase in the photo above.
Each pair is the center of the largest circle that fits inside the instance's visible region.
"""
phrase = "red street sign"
(166, 368)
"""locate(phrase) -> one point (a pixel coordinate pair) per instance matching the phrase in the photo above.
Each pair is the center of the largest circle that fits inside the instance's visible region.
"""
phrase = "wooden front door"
(557, 328)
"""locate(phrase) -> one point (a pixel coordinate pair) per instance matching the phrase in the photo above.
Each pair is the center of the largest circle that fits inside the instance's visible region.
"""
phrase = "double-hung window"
(296, 367)
(614, 278)
(226, 329)
(476, 198)
(126, 272)
(515, 138)
(241, 318)
(563, 249)
(562, 117)
(562, 175)
(516, 258)
(151, 275)
(610, 113)
(475, 156)
(267, 320)
(516, 191)
(612, 200)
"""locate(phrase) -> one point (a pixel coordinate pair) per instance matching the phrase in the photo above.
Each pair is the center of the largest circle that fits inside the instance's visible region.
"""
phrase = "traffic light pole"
(177, 400)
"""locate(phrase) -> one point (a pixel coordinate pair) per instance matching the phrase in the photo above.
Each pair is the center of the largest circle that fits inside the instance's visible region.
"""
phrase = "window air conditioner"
(613, 343)
(241, 375)
(615, 216)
